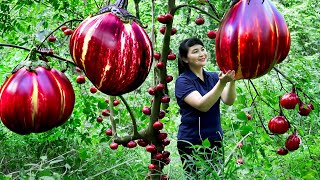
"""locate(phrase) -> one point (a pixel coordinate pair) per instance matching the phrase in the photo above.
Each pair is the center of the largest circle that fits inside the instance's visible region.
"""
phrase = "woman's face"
(197, 56)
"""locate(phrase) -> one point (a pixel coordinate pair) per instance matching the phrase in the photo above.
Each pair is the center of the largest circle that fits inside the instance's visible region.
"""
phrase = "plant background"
(79, 149)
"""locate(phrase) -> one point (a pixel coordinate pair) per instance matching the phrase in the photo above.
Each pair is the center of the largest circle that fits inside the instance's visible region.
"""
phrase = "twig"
(235, 147)
(134, 122)
(27, 49)
(260, 95)
(56, 30)
(195, 7)
(102, 172)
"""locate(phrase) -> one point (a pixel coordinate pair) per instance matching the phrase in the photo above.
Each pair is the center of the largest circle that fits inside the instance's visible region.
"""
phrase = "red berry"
(63, 28)
(173, 31)
(166, 142)
(161, 19)
(212, 34)
(152, 91)
(81, 79)
(165, 99)
(114, 146)
(162, 29)
(162, 136)
(162, 113)
(109, 132)
(151, 148)
(157, 55)
(116, 102)
(146, 110)
(105, 112)
(160, 87)
(142, 143)
(99, 119)
(168, 78)
(157, 156)
(249, 116)
(68, 32)
(199, 20)
(93, 90)
(168, 18)
(131, 144)
(51, 38)
(78, 69)
(152, 166)
(157, 125)
(171, 56)
(160, 65)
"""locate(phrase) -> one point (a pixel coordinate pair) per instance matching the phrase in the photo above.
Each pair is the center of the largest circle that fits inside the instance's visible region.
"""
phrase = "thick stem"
(113, 122)
(123, 4)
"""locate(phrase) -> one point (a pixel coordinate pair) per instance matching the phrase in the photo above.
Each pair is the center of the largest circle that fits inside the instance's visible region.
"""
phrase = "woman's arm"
(204, 103)
(229, 94)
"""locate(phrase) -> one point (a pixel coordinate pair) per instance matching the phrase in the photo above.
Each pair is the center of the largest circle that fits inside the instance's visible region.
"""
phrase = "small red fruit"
(152, 166)
(116, 102)
(173, 31)
(99, 119)
(199, 20)
(289, 100)
(249, 116)
(293, 141)
(78, 69)
(152, 91)
(157, 156)
(81, 79)
(171, 56)
(162, 19)
(162, 136)
(304, 109)
(146, 110)
(240, 161)
(165, 99)
(160, 87)
(157, 55)
(93, 90)
(52, 38)
(151, 148)
(63, 28)
(282, 151)
(105, 112)
(278, 125)
(114, 146)
(311, 106)
(68, 32)
(166, 142)
(239, 145)
(165, 154)
(168, 78)
(142, 143)
(162, 29)
(160, 65)
(109, 132)
(212, 34)
(162, 113)
(168, 18)
(131, 144)
(157, 125)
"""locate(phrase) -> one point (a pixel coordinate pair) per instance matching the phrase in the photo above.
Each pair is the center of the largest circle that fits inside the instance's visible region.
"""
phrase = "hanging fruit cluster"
(280, 125)
(252, 38)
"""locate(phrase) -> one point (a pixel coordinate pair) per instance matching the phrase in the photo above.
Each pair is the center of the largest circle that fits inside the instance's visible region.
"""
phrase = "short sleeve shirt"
(196, 125)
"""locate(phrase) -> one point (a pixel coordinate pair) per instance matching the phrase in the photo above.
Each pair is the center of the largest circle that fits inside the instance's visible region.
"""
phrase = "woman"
(198, 94)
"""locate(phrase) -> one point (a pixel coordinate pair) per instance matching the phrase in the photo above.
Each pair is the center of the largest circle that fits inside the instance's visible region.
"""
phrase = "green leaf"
(244, 130)
(206, 143)
(242, 116)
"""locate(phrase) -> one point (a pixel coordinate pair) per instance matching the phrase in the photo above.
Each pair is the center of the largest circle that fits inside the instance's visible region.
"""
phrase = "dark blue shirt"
(193, 120)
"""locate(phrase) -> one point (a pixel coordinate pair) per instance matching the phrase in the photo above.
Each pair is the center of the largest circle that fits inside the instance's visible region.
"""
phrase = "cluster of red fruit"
(65, 31)
(280, 125)
(200, 21)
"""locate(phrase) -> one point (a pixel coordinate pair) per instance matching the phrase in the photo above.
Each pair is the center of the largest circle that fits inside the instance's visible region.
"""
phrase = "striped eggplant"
(113, 50)
(252, 38)
(36, 100)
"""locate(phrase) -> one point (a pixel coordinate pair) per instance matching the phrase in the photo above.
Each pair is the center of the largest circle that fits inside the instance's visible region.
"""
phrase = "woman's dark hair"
(183, 52)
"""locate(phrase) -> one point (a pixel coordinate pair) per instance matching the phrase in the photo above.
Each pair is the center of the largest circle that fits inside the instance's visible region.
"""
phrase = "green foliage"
(79, 149)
